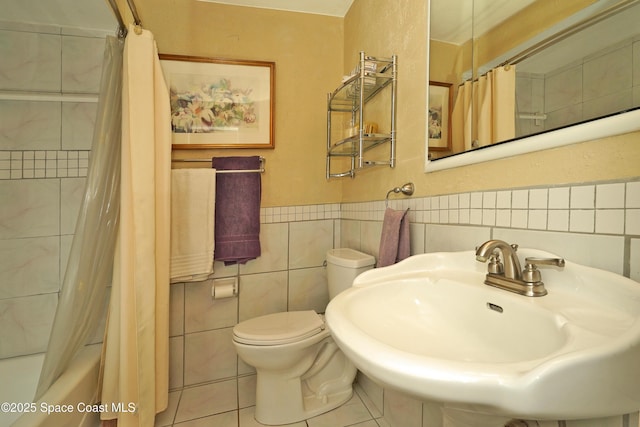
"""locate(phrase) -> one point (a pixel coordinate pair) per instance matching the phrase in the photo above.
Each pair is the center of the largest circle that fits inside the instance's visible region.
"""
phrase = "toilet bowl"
(300, 371)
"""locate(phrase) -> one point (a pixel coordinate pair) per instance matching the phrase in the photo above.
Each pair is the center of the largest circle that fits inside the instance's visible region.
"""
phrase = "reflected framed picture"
(220, 103)
(439, 116)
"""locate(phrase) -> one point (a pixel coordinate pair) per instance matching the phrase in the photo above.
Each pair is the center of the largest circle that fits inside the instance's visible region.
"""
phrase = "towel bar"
(261, 170)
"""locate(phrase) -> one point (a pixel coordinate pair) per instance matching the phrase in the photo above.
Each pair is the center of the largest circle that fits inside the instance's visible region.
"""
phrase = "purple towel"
(237, 228)
(395, 244)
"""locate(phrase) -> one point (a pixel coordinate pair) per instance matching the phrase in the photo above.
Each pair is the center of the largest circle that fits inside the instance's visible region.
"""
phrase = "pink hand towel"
(395, 243)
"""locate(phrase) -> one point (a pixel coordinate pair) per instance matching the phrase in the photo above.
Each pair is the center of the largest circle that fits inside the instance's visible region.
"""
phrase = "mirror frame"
(613, 125)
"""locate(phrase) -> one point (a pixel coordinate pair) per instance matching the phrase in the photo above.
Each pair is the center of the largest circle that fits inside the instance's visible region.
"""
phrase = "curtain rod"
(122, 28)
(569, 31)
(134, 12)
(558, 37)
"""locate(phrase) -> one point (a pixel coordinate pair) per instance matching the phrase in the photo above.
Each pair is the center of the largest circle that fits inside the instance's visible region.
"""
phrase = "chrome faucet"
(509, 275)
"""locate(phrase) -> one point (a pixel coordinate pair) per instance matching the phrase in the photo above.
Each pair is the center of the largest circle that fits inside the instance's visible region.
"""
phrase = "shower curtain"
(485, 109)
(136, 347)
(83, 295)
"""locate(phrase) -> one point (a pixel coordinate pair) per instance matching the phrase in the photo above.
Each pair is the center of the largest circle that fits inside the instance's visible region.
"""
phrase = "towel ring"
(407, 189)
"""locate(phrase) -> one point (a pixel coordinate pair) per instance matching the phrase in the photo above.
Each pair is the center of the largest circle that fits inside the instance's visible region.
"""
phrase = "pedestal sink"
(429, 327)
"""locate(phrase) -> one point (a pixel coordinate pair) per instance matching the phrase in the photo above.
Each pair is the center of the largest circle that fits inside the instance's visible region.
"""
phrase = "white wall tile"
(30, 61)
(520, 199)
(350, 234)
(558, 220)
(488, 217)
(503, 217)
(78, 121)
(29, 266)
(202, 312)
(610, 221)
(538, 198)
(27, 125)
(537, 219)
(176, 309)
(519, 218)
(71, 195)
(489, 200)
(208, 356)
(263, 293)
(246, 391)
(25, 324)
(583, 197)
(81, 64)
(503, 199)
(632, 221)
(610, 195)
(176, 362)
(370, 233)
(309, 242)
(443, 202)
(633, 193)
(634, 272)
(454, 201)
(274, 239)
(34, 211)
(464, 200)
(559, 198)
(475, 216)
(308, 289)
(582, 220)
(476, 200)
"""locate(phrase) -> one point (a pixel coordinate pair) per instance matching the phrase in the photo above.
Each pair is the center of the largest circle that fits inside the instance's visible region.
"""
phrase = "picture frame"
(439, 116)
(220, 103)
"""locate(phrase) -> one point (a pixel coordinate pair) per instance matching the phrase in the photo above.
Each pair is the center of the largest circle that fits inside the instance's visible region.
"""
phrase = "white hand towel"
(193, 199)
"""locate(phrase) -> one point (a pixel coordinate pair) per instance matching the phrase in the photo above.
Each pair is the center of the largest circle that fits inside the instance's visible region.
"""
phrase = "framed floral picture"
(439, 116)
(220, 103)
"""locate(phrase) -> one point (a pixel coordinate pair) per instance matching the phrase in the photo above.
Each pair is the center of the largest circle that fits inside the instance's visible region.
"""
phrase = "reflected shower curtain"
(485, 110)
(136, 348)
(83, 295)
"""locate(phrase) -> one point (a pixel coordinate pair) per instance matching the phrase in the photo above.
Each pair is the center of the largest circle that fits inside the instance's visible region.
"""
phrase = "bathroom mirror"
(574, 65)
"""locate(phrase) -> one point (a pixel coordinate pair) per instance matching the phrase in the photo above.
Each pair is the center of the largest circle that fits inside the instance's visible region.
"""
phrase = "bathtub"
(66, 403)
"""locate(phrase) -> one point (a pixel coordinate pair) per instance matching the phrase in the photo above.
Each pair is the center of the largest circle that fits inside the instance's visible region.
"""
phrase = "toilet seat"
(279, 328)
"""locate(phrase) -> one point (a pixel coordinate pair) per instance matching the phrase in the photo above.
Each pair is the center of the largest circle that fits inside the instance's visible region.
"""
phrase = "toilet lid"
(278, 328)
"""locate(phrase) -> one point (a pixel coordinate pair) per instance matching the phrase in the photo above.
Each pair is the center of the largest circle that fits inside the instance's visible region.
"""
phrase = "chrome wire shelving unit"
(371, 76)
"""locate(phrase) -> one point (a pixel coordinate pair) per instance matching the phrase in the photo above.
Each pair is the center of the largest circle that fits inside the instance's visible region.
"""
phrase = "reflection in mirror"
(523, 68)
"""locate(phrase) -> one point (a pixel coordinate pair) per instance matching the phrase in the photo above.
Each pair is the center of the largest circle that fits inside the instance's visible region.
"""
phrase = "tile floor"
(187, 408)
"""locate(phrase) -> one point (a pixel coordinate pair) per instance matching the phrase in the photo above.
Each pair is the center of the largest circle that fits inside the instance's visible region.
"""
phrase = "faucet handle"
(558, 262)
(531, 274)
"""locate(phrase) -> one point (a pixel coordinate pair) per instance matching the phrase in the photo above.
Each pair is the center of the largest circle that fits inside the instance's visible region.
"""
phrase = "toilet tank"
(343, 266)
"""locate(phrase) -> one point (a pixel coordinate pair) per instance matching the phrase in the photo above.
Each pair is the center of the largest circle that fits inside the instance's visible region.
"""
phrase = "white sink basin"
(430, 327)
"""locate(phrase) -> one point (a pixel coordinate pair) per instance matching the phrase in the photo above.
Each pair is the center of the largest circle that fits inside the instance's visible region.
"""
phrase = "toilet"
(301, 372)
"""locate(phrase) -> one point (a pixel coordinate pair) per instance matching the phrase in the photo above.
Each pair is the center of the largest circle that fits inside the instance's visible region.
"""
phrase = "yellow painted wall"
(608, 159)
(307, 50)
(383, 28)
(311, 54)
